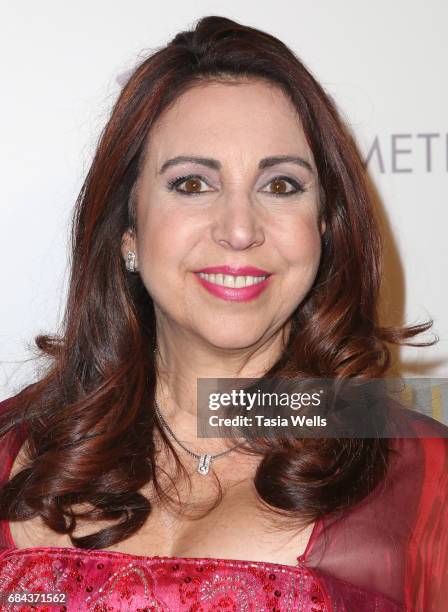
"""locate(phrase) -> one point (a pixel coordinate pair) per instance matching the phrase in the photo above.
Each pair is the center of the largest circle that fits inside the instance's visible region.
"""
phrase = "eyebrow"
(266, 162)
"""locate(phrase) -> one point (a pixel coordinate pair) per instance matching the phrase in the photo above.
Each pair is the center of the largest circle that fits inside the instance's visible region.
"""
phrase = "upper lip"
(234, 270)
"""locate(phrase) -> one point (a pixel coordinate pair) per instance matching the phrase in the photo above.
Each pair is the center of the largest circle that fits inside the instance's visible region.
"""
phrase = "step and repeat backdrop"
(384, 63)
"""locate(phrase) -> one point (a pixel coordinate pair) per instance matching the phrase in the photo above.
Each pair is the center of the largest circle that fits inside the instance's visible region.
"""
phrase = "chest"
(238, 527)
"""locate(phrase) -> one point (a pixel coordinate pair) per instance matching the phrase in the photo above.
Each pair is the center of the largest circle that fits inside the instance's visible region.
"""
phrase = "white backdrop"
(385, 64)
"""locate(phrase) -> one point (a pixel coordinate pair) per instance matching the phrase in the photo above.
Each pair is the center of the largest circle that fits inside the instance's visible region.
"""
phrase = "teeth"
(228, 280)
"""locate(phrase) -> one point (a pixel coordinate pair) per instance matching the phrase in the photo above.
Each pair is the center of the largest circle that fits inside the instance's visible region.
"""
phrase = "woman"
(224, 230)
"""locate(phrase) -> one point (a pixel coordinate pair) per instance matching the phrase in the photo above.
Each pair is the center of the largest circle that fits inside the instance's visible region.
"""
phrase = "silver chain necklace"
(204, 460)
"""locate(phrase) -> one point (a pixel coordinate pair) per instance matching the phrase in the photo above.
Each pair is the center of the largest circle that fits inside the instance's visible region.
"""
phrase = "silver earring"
(130, 262)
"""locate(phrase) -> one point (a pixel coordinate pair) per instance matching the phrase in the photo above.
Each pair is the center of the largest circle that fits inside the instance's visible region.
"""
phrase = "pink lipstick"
(235, 294)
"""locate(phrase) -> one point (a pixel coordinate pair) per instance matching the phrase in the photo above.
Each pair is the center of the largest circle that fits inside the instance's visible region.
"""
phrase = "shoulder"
(11, 443)
(8, 403)
(419, 430)
(422, 461)
(421, 445)
(12, 440)
(14, 401)
(420, 480)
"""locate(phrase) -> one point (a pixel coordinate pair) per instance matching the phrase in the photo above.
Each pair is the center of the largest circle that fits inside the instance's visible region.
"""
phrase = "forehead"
(242, 119)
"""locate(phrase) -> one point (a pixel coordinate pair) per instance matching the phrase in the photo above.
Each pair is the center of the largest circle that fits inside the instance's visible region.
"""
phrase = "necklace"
(204, 460)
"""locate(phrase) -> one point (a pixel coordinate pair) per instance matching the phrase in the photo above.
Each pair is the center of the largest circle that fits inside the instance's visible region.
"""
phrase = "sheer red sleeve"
(395, 542)
(427, 566)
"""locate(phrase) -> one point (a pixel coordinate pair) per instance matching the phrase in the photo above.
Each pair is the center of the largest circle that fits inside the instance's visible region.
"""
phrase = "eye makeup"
(174, 183)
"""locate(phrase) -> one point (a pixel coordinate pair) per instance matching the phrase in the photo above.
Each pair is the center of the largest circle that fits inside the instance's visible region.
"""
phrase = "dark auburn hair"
(89, 420)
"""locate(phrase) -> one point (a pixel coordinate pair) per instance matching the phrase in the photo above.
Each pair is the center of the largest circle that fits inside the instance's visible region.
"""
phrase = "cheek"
(164, 242)
(300, 245)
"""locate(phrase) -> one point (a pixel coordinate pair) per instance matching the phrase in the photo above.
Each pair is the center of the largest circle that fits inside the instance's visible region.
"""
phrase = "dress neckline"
(301, 559)
(162, 559)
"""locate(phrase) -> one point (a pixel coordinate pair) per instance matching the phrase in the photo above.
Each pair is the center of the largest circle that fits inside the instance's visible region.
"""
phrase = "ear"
(323, 227)
(128, 243)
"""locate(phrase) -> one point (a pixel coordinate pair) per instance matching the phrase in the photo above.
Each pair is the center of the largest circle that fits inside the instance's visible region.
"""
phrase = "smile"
(231, 287)
(229, 280)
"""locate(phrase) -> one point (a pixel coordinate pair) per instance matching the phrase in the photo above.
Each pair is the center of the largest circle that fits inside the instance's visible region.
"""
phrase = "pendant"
(204, 464)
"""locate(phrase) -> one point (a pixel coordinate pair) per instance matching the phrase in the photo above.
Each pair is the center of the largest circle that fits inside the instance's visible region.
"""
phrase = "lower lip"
(233, 294)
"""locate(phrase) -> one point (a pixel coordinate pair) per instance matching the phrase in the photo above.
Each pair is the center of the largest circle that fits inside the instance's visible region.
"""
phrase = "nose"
(237, 225)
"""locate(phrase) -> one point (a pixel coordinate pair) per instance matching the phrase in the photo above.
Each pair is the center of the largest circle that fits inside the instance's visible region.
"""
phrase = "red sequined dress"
(387, 554)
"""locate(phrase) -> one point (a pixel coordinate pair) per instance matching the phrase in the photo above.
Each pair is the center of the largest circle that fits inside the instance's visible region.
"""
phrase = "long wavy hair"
(89, 420)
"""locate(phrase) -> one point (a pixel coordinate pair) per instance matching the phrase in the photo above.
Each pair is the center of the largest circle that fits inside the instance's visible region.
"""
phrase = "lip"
(233, 294)
(234, 271)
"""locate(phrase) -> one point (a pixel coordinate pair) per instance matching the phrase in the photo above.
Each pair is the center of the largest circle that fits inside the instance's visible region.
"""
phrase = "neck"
(178, 366)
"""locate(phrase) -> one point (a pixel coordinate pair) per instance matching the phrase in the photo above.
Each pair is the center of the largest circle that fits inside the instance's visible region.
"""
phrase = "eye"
(279, 183)
(192, 184)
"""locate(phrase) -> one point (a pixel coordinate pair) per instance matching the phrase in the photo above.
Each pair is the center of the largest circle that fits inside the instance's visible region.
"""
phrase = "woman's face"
(236, 205)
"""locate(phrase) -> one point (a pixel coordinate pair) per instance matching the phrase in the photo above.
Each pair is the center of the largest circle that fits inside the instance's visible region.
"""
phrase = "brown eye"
(188, 185)
(192, 185)
(279, 186)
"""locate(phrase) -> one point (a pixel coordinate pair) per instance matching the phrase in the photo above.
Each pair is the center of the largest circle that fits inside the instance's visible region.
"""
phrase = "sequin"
(103, 581)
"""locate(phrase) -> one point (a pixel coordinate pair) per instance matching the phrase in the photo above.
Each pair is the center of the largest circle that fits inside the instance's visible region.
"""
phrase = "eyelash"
(175, 182)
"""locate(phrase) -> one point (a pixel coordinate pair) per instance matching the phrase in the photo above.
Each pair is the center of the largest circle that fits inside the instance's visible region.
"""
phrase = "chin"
(228, 339)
